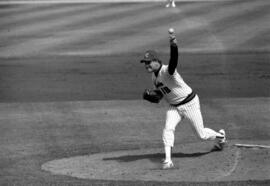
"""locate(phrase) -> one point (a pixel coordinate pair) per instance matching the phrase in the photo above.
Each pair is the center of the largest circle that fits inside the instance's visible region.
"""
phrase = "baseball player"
(183, 101)
(170, 3)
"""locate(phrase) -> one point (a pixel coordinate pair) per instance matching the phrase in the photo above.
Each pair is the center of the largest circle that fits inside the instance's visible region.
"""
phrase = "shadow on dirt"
(156, 157)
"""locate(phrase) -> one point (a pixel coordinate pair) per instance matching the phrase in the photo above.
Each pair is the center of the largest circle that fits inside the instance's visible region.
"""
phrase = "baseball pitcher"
(183, 101)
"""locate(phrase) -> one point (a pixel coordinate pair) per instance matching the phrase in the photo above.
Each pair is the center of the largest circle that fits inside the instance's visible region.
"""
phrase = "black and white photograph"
(134, 92)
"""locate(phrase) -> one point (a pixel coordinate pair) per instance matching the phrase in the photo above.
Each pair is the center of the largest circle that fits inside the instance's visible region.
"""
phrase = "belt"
(186, 100)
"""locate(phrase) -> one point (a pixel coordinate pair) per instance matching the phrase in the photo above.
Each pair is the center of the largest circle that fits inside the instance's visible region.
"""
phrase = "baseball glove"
(153, 96)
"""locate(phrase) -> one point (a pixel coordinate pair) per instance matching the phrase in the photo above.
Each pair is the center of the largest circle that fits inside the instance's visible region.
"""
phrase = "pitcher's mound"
(193, 162)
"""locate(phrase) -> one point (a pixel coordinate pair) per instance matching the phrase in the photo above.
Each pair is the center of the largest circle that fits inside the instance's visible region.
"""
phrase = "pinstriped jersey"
(173, 87)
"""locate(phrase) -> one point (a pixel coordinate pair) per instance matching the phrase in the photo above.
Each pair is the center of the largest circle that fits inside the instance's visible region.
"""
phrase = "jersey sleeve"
(173, 58)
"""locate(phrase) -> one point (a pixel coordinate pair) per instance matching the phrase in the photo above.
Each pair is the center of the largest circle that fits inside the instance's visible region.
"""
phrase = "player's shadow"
(156, 157)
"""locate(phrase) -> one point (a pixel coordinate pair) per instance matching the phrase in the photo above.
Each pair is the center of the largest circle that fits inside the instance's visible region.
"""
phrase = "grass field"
(71, 83)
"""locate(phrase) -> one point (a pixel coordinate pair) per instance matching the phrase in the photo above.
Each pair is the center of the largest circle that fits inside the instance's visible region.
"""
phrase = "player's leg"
(169, 3)
(193, 113)
(172, 119)
(173, 3)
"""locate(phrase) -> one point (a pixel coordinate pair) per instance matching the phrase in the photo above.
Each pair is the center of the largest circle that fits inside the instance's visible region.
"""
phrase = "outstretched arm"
(173, 52)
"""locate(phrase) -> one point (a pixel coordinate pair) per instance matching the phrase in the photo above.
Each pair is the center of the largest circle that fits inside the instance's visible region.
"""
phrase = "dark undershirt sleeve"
(173, 58)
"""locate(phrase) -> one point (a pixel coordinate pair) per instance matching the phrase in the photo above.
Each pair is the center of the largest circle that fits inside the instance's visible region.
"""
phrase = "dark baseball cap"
(149, 55)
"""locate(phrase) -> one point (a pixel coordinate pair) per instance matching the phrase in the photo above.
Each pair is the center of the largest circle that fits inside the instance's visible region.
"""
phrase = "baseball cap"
(149, 55)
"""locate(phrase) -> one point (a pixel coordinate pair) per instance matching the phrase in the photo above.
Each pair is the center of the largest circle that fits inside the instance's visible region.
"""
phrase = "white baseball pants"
(192, 112)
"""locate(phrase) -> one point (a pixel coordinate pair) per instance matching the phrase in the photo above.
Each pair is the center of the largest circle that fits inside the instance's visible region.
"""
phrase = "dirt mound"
(193, 162)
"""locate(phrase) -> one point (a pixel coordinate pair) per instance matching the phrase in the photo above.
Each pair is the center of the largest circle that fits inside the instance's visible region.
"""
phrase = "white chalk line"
(232, 169)
(252, 145)
(236, 161)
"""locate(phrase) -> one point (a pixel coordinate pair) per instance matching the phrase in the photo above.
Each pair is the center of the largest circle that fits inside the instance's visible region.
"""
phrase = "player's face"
(150, 66)
(147, 65)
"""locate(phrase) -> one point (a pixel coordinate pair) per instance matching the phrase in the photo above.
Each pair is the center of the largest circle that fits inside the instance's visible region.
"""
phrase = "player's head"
(151, 61)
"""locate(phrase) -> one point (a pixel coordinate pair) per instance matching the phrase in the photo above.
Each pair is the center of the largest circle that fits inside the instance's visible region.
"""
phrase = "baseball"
(171, 31)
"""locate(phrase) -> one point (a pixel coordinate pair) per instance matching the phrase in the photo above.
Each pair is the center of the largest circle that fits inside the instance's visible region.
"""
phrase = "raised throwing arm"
(173, 52)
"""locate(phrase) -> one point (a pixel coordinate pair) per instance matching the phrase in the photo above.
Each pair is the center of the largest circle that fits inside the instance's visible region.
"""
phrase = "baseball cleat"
(219, 146)
(168, 5)
(221, 140)
(173, 5)
(167, 165)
